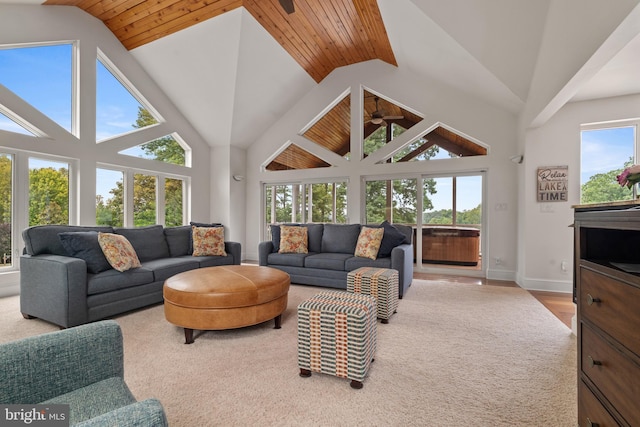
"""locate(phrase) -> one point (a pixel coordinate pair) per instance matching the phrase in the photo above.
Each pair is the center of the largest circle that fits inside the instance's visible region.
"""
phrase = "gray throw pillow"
(84, 245)
(392, 237)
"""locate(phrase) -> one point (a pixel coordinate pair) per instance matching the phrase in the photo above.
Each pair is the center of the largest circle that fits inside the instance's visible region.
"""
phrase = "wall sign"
(552, 184)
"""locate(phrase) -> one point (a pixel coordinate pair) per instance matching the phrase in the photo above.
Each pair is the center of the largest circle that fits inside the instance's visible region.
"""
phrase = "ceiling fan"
(378, 117)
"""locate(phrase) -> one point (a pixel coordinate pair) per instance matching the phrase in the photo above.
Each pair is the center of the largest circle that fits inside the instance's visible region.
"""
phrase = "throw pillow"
(392, 238)
(208, 241)
(293, 240)
(84, 245)
(199, 224)
(369, 242)
(118, 251)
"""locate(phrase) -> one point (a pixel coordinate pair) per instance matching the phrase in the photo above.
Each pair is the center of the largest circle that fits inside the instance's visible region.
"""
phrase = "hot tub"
(450, 245)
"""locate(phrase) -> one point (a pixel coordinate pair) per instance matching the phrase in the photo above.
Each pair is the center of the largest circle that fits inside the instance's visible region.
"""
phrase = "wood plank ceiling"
(321, 35)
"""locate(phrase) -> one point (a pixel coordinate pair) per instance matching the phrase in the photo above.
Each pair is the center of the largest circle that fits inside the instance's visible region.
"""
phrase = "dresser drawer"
(612, 305)
(590, 411)
(614, 374)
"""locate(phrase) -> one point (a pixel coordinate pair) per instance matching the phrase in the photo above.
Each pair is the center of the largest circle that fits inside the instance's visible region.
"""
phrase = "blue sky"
(604, 150)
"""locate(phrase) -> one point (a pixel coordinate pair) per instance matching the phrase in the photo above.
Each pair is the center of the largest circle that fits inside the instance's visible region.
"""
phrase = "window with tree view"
(6, 209)
(300, 203)
(605, 152)
(48, 192)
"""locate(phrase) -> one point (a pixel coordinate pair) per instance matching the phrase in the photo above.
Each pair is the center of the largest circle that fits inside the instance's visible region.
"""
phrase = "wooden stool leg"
(188, 336)
(278, 321)
(356, 384)
(305, 373)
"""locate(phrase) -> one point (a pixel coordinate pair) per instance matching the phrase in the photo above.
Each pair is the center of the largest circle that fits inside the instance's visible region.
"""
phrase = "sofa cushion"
(43, 239)
(118, 251)
(112, 280)
(327, 261)
(166, 267)
(211, 261)
(84, 245)
(293, 239)
(369, 242)
(355, 262)
(148, 242)
(340, 238)
(392, 238)
(294, 260)
(178, 240)
(208, 241)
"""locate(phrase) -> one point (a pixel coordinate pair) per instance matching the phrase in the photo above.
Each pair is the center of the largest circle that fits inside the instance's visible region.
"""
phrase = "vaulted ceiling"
(234, 67)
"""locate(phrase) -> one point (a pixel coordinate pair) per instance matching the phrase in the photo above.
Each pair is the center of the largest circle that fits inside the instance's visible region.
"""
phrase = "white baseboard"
(565, 286)
(501, 275)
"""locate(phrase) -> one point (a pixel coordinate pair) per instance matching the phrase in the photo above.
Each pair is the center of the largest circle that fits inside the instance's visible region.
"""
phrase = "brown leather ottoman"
(225, 297)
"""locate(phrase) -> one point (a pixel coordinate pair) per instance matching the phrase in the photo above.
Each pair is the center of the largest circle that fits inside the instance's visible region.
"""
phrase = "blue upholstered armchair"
(81, 367)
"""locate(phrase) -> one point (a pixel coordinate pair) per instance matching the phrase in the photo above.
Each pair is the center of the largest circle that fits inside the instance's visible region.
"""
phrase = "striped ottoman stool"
(381, 283)
(337, 335)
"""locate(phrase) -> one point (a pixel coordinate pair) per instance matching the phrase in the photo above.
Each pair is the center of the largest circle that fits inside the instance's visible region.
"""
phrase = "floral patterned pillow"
(293, 240)
(369, 242)
(208, 241)
(118, 251)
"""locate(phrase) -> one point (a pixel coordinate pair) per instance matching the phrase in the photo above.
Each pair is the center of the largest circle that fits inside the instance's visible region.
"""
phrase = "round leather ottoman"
(225, 297)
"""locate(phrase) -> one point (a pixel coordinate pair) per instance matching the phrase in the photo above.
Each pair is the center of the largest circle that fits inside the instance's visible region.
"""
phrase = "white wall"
(547, 237)
(439, 104)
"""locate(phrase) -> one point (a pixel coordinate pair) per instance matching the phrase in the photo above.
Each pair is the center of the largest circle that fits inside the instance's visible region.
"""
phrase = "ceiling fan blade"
(393, 117)
(287, 5)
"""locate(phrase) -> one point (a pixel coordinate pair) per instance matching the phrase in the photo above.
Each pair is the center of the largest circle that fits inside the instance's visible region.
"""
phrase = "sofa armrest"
(402, 260)
(41, 367)
(264, 249)
(54, 288)
(140, 414)
(235, 249)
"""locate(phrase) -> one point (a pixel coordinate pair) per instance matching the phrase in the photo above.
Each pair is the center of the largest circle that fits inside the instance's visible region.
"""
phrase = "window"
(391, 200)
(453, 200)
(48, 192)
(605, 152)
(109, 197)
(300, 203)
(42, 76)
(6, 210)
(174, 199)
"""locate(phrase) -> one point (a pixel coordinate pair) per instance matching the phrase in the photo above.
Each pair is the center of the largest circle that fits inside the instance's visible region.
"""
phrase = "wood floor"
(560, 304)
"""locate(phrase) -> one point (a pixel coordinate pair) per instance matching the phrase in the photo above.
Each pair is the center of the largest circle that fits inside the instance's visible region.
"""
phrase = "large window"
(391, 200)
(605, 152)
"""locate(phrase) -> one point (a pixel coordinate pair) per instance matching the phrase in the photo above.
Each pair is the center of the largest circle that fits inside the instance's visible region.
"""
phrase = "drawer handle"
(593, 363)
(591, 423)
(591, 300)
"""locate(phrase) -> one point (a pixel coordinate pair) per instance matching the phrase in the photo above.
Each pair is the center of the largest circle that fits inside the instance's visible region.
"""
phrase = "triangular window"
(166, 149)
(118, 110)
(6, 123)
(293, 157)
(383, 121)
(42, 76)
(439, 143)
(333, 130)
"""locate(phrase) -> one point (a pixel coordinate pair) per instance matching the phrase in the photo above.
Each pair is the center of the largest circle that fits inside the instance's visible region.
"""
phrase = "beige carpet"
(453, 355)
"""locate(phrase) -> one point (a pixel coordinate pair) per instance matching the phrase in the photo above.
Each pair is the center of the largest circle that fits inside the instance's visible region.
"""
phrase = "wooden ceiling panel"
(321, 35)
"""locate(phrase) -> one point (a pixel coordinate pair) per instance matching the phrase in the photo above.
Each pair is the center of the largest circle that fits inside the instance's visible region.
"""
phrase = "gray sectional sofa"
(330, 254)
(70, 289)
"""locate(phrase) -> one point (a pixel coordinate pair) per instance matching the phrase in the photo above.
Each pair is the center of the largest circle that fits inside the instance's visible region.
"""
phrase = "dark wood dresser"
(607, 293)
